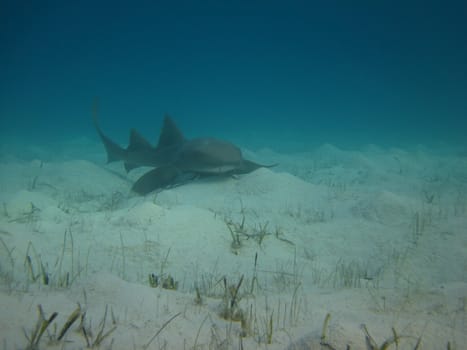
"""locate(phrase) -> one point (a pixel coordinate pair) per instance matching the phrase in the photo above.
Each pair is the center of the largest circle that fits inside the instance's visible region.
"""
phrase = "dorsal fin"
(170, 134)
(137, 142)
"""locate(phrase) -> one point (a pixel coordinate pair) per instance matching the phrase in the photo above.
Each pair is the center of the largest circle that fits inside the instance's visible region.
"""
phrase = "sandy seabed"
(375, 238)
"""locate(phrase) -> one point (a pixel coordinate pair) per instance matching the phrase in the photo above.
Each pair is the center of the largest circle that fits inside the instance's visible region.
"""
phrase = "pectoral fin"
(248, 166)
(156, 179)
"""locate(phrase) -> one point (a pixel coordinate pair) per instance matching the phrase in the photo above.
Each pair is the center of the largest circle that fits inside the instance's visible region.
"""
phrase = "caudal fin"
(114, 151)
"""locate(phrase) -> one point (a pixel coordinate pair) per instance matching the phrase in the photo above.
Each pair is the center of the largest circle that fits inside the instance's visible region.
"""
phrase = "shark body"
(175, 156)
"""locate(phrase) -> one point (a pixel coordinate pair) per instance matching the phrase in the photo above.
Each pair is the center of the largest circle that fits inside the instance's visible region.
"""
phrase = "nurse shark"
(174, 156)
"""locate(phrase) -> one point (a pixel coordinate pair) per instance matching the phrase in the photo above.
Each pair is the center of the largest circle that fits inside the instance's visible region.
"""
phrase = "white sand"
(375, 237)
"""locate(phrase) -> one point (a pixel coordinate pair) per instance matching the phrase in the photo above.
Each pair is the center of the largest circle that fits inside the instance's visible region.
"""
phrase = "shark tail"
(114, 151)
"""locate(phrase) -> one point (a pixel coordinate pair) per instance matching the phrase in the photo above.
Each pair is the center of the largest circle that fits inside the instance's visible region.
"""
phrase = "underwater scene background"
(356, 238)
(266, 73)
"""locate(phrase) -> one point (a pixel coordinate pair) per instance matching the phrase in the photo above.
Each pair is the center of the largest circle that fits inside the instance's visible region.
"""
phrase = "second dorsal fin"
(137, 142)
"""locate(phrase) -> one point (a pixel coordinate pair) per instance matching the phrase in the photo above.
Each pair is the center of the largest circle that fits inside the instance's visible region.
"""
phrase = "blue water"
(262, 73)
